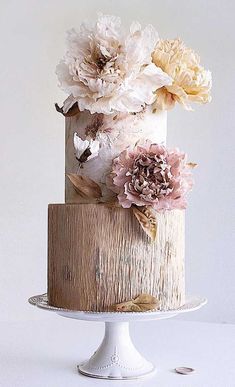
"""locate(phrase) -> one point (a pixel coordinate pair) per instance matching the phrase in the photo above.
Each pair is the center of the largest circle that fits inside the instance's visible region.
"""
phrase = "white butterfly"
(85, 149)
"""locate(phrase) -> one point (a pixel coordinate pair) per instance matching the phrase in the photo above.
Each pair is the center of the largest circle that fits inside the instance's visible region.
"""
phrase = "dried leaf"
(145, 299)
(146, 307)
(71, 112)
(142, 303)
(146, 217)
(127, 306)
(192, 165)
(85, 187)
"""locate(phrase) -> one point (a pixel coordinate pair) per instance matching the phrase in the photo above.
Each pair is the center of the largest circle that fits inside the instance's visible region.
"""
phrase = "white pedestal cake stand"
(116, 357)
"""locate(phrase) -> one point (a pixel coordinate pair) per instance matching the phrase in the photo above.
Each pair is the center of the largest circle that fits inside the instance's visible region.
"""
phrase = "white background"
(32, 141)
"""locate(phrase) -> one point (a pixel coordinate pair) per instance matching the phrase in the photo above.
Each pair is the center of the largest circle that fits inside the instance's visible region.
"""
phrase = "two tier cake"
(117, 243)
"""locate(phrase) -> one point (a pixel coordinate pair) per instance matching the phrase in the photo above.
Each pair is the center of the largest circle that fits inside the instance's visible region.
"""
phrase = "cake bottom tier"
(99, 256)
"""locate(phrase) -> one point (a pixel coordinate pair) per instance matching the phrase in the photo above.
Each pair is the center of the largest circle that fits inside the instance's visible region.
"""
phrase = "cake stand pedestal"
(117, 357)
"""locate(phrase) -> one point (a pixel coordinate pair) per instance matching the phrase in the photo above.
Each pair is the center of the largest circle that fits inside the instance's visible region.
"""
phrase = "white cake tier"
(114, 133)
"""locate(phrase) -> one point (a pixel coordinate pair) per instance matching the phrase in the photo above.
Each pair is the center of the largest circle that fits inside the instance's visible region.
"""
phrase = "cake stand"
(116, 357)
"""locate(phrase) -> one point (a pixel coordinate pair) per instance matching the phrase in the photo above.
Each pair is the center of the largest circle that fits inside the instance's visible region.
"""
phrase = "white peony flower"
(85, 150)
(105, 71)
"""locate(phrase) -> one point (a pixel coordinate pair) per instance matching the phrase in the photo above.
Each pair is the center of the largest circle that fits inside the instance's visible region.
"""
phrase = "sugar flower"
(151, 175)
(105, 70)
(191, 82)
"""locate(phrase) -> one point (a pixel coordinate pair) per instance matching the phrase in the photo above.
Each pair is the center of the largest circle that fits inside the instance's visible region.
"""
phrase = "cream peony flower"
(191, 82)
(105, 71)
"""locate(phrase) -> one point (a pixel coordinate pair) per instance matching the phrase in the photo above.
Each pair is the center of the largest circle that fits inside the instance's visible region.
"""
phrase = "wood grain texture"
(99, 256)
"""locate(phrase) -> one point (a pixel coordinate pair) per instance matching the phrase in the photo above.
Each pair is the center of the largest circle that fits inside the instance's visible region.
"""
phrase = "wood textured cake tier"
(99, 256)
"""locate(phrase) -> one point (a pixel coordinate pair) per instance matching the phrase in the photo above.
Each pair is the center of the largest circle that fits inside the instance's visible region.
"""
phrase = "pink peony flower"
(151, 175)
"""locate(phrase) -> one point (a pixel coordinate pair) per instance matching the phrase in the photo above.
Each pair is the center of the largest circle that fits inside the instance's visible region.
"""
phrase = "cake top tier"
(120, 85)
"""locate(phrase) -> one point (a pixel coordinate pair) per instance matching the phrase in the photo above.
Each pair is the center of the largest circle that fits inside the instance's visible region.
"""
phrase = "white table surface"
(44, 353)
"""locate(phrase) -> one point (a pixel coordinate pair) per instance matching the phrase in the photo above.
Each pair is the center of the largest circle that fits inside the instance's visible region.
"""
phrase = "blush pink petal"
(152, 175)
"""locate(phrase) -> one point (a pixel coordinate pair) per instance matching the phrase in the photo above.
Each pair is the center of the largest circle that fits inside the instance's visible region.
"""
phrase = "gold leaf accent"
(71, 112)
(192, 165)
(142, 303)
(147, 219)
(85, 187)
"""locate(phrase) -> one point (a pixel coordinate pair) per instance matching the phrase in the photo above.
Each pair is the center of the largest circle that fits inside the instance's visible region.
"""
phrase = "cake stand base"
(116, 358)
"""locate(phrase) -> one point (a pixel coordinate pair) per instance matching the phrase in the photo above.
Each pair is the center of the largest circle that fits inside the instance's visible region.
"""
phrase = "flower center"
(150, 177)
(101, 61)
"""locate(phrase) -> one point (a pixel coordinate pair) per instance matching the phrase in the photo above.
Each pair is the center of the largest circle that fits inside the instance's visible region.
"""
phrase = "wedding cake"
(117, 243)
